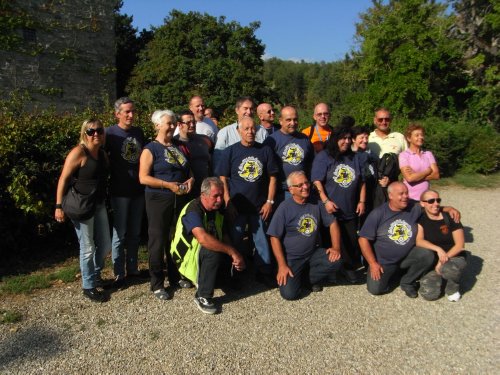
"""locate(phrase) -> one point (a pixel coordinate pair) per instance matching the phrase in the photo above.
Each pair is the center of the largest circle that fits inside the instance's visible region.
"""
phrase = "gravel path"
(340, 330)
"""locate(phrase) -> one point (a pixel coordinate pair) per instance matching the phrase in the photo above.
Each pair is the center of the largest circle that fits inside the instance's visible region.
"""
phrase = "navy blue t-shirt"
(341, 180)
(248, 169)
(124, 148)
(294, 153)
(169, 164)
(393, 232)
(297, 227)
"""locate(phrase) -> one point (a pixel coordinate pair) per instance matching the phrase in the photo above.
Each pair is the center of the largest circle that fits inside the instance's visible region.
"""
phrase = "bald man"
(320, 132)
(266, 114)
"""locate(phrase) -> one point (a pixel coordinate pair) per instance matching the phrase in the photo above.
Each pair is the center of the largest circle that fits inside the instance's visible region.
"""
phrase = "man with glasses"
(196, 147)
(319, 133)
(382, 141)
(124, 143)
(265, 112)
(294, 232)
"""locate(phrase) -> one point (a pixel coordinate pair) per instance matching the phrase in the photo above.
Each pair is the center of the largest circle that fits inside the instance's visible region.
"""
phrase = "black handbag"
(78, 206)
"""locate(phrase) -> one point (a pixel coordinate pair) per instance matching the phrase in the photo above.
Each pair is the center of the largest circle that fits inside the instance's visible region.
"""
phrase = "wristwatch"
(270, 201)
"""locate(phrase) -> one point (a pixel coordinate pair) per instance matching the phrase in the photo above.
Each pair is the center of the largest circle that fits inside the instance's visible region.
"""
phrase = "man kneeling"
(198, 248)
(294, 232)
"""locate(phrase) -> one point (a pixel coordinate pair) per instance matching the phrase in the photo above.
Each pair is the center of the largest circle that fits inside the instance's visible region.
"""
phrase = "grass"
(7, 316)
(470, 180)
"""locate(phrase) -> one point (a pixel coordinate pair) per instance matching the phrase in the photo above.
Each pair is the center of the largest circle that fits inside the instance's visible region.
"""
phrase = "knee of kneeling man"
(289, 295)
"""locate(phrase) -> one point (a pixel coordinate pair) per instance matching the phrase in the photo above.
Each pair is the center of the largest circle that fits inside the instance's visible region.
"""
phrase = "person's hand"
(438, 267)
(59, 215)
(266, 210)
(283, 273)
(384, 181)
(238, 261)
(331, 207)
(376, 271)
(189, 184)
(361, 208)
(454, 214)
(333, 254)
(443, 257)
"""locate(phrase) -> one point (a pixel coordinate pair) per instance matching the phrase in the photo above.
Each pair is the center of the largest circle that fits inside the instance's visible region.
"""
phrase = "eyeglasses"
(432, 200)
(188, 122)
(325, 114)
(307, 183)
(382, 119)
(91, 131)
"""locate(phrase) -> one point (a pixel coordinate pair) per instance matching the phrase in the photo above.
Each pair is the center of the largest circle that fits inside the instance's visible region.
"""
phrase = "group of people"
(315, 204)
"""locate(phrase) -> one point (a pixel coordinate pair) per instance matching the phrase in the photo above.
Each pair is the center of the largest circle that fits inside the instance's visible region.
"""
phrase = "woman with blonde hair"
(85, 170)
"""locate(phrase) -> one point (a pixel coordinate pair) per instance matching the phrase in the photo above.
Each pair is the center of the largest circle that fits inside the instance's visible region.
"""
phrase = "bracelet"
(362, 202)
(161, 185)
(270, 201)
(326, 201)
(58, 206)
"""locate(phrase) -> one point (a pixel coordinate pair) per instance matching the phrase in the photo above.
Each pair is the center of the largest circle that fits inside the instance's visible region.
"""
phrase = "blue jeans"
(95, 243)
(316, 268)
(127, 222)
(258, 230)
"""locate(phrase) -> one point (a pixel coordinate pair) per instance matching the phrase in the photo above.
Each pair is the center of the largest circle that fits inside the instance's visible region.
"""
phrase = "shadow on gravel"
(30, 344)
(474, 268)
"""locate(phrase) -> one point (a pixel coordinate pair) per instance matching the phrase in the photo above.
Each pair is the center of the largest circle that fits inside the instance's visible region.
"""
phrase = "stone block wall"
(61, 51)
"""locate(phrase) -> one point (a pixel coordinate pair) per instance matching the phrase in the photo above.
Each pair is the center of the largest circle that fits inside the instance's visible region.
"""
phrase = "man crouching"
(294, 232)
(198, 248)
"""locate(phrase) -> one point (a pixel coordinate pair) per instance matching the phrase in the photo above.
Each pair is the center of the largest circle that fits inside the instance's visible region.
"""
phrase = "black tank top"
(92, 175)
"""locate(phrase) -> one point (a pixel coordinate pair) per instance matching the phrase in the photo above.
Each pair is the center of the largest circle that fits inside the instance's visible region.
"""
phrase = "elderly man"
(200, 248)
(230, 135)
(382, 141)
(265, 113)
(293, 149)
(248, 170)
(294, 232)
(124, 143)
(319, 133)
(387, 240)
(197, 148)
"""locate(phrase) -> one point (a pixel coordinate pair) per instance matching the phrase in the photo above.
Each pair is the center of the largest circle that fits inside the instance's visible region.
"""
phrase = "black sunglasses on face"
(91, 131)
(432, 200)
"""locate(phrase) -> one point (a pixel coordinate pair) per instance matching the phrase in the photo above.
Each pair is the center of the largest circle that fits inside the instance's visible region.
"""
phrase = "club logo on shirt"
(170, 159)
(131, 150)
(293, 154)
(250, 169)
(344, 175)
(307, 225)
(400, 232)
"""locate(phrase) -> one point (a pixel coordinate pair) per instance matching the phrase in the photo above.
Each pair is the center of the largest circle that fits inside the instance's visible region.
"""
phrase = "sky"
(309, 30)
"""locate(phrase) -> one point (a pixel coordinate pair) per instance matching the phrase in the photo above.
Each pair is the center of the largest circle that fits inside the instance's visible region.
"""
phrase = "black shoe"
(266, 279)
(205, 305)
(118, 283)
(316, 288)
(185, 284)
(410, 292)
(350, 276)
(94, 295)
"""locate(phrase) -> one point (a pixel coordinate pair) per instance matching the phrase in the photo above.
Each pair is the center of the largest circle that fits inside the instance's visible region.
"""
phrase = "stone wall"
(61, 51)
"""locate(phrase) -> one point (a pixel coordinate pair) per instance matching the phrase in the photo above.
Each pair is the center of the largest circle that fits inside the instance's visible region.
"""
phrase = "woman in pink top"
(417, 166)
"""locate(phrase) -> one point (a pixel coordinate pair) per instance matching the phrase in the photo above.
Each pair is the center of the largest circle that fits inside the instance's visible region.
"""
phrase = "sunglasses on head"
(432, 200)
(91, 131)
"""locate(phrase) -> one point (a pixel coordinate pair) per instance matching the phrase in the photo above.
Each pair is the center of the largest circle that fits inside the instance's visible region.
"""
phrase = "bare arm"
(459, 239)
(283, 270)
(411, 176)
(422, 242)
(361, 207)
(366, 249)
(145, 178)
(73, 161)
(334, 251)
(330, 206)
(267, 208)
(434, 174)
(224, 180)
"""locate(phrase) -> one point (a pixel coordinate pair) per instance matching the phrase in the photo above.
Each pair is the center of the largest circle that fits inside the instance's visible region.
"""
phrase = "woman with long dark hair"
(336, 173)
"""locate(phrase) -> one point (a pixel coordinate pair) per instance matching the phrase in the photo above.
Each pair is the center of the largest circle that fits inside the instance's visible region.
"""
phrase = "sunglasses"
(270, 111)
(307, 183)
(91, 131)
(188, 123)
(381, 119)
(432, 200)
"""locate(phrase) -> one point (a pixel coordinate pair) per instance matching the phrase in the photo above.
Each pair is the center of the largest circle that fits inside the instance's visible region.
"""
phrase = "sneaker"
(205, 305)
(185, 284)
(316, 288)
(162, 294)
(454, 297)
(410, 292)
(94, 295)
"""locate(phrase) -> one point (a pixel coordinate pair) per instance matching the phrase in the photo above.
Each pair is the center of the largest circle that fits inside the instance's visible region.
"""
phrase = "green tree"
(406, 59)
(195, 53)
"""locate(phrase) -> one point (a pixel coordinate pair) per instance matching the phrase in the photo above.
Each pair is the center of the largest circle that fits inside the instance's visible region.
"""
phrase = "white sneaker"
(454, 297)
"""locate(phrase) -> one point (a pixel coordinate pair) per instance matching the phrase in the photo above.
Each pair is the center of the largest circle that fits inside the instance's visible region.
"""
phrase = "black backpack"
(388, 165)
